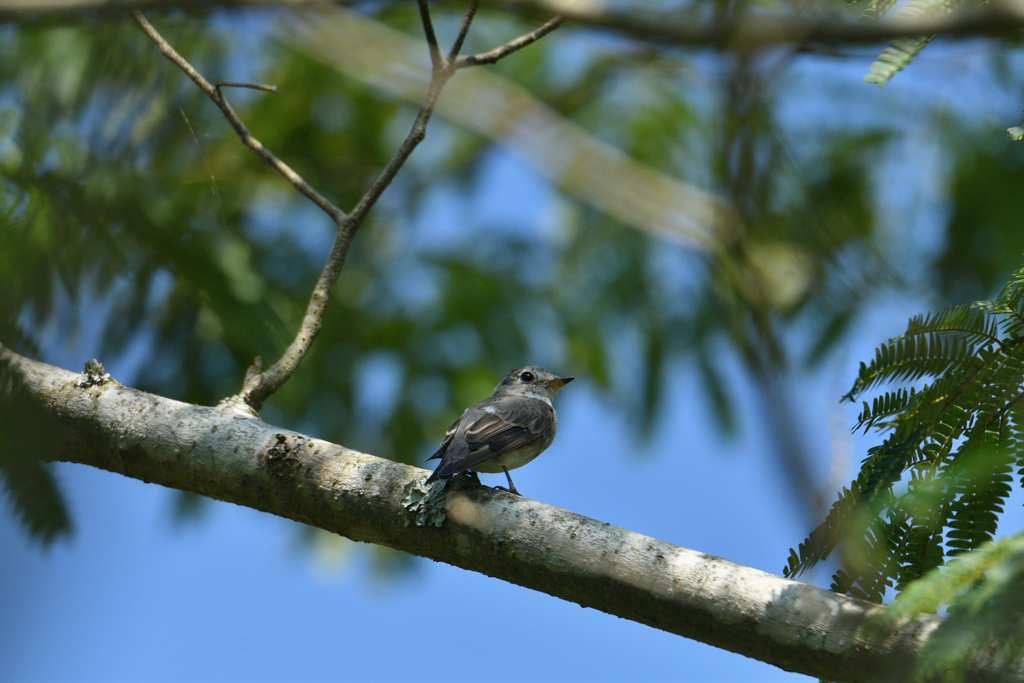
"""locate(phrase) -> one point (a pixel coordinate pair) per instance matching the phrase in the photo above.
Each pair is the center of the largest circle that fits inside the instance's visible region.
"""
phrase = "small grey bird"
(509, 429)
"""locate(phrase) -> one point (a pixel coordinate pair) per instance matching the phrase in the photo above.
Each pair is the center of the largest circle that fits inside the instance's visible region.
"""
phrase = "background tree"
(127, 199)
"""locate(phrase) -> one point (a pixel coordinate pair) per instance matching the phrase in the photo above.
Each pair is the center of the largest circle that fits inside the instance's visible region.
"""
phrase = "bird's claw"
(508, 490)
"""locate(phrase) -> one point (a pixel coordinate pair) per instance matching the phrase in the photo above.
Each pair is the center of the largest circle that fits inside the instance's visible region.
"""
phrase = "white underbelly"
(516, 458)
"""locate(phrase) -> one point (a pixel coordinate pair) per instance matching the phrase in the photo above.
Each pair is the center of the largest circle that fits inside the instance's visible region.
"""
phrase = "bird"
(503, 432)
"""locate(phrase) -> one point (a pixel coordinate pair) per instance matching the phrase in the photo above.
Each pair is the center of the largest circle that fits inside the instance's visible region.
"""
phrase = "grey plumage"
(509, 429)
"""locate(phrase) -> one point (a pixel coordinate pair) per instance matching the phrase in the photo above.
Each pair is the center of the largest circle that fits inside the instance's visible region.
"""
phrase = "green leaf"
(895, 58)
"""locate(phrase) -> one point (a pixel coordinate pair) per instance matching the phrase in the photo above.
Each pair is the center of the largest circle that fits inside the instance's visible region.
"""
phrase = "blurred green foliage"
(27, 436)
(984, 238)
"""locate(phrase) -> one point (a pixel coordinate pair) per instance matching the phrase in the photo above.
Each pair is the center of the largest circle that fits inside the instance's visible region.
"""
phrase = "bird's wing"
(448, 436)
(502, 425)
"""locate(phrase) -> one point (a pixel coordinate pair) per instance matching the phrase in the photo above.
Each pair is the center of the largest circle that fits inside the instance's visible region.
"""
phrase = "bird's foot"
(511, 487)
(508, 489)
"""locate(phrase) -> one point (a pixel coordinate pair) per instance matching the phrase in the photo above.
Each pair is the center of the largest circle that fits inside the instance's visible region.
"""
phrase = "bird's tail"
(446, 470)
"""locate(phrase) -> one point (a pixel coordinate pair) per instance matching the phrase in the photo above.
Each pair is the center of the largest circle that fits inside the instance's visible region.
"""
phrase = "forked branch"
(260, 384)
(214, 93)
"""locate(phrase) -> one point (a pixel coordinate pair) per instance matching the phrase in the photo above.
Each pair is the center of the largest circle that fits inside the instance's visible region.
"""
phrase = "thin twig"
(428, 30)
(254, 86)
(336, 214)
(463, 30)
(439, 76)
(508, 48)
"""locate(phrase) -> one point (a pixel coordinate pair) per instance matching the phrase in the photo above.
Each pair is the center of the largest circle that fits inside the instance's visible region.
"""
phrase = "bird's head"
(532, 381)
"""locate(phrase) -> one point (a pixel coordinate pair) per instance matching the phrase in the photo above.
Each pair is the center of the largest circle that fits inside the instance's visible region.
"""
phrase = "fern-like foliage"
(984, 591)
(934, 487)
(896, 57)
(933, 490)
(877, 9)
(902, 51)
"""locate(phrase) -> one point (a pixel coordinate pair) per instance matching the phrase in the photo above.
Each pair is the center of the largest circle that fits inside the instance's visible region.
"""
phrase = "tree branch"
(1002, 18)
(428, 30)
(252, 86)
(753, 30)
(215, 94)
(235, 457)
(439, 75)
(508, 48)
(260, 384)
(467, 21)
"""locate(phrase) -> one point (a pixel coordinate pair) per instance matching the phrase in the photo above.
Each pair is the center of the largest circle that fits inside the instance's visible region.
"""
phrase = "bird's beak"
(559, 382)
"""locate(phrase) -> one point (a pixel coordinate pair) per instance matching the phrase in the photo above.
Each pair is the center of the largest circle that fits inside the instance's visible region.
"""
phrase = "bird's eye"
(527, 376)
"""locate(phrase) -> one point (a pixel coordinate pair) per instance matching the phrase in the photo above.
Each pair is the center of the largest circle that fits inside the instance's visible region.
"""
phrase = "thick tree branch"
(756, 30)
(238, 458)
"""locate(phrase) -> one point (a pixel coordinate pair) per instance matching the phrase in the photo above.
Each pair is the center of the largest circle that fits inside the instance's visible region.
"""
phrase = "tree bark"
(747, 33)
(227, 453)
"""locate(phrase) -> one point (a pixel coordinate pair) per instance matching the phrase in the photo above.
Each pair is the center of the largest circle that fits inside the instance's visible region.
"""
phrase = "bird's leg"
(511, 487)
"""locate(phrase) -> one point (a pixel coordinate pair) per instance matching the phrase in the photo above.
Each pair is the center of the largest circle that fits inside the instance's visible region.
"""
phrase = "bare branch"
(440, 74)
(260, 386)
(508, 48)
(428, 30)
(254, 86)
(336, 214)
(463, 30)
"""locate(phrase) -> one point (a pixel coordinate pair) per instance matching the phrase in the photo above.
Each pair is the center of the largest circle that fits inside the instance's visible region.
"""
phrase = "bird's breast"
(516, 458)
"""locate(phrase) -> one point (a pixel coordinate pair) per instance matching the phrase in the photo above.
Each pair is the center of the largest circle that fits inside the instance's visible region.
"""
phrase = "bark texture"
(228, 454)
